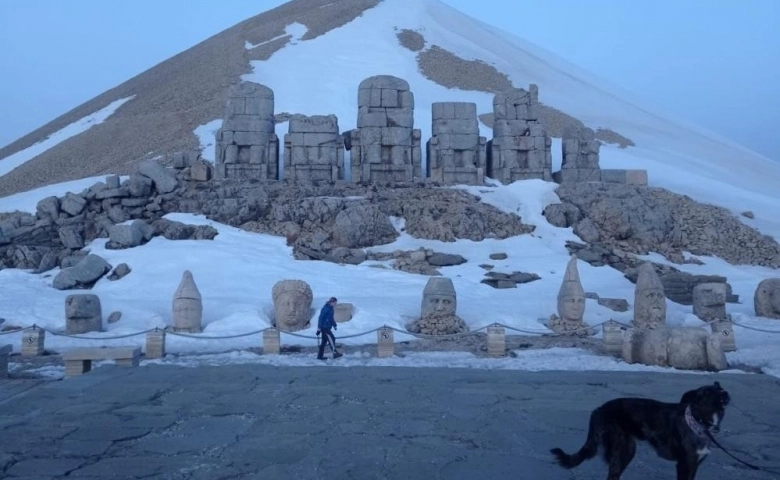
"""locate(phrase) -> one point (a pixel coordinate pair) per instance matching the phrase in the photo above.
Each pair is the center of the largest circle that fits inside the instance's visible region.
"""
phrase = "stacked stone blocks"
(33, 342)
(247, 145)
(385, 146)
(456, 153)
(79, 360)
(496, 341)
(155, 344)
(581, 161)
(271, 342)
(580, 156)
(384, 343)
(520, 148)
(313, 149)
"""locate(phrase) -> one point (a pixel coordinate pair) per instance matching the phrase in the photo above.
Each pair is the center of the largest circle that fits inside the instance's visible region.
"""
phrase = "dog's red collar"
(694, 425)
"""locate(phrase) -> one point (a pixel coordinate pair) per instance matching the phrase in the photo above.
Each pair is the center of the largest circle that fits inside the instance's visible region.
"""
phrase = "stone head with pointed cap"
(571, 296)
(649, 299)
(439, 297)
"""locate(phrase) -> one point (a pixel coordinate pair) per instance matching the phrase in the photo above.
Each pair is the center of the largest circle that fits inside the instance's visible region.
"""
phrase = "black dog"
(676, 431)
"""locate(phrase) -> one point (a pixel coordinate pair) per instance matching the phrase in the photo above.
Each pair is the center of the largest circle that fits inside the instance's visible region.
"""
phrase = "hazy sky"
(714, 62)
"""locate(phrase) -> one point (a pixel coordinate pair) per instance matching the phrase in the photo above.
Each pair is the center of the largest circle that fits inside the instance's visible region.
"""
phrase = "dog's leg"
(619, 450)
(686, 469)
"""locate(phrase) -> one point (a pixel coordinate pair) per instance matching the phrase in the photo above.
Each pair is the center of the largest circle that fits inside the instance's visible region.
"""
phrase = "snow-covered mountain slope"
(314, 53)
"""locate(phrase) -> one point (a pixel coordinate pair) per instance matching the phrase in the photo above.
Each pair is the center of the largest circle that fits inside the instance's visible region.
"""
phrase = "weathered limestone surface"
(313, 149)
(649, 299)
(187, 305)
(247, 145)
(709, 301)
(571, 304)
(385, 146)
(439, 297)
(520, 148)
(766, 300)
(580, 162)
(83, 314)
(438, 310)
(292, 305)
(580, 156)
(678, 347)
(456, 153)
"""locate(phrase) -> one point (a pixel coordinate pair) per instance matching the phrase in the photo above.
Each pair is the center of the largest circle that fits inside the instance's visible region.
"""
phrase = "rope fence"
(310, 337)
(544, 333)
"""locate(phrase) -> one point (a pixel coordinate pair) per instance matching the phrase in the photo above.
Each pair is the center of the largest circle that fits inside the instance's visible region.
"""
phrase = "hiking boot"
(321, 358)
(337, 355)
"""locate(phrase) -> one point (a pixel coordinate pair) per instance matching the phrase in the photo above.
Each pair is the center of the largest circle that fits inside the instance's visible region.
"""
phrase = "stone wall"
(520, 148)
(580, 163)
(456, 153)
(385, 146)
(313, 149)
(247, 146)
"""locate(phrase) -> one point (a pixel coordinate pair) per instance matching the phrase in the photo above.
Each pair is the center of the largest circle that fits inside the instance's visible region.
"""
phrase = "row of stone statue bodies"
(385, 146)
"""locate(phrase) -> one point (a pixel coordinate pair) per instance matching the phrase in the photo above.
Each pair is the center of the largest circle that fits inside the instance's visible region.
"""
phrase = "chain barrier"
(755, 329)
(215, 337)
(547, 333)
(115, 337)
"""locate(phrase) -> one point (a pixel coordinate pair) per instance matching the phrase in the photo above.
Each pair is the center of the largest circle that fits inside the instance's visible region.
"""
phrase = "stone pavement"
(250, 421)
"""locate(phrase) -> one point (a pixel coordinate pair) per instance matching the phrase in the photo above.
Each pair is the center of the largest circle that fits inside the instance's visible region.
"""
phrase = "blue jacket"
(326, 321)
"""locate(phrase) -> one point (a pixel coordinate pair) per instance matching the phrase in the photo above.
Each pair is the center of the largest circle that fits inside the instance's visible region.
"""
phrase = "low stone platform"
(79, 360)
(250, 421)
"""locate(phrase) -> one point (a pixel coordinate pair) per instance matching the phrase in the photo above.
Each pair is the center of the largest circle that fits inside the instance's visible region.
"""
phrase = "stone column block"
(725, 329)
(33, 342)
(155, 344)
(613, 338)
(385, 346)
(271, 342)
(496, 341)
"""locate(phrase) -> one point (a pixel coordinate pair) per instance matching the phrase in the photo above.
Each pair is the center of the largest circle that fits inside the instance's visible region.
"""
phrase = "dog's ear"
(717, 385)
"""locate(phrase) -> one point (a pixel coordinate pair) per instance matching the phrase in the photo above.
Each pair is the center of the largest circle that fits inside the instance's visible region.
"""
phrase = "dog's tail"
(588, 451)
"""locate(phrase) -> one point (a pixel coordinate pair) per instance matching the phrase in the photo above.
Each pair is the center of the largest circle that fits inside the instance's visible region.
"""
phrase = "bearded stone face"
(438, 304)
(652, 307)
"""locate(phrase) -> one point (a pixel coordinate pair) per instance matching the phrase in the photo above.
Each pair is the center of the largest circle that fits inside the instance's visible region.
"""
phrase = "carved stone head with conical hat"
(571, 296)
(649, 299)
(439, 297)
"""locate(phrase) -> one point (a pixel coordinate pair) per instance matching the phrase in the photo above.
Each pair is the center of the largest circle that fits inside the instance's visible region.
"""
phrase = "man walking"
(325, 326)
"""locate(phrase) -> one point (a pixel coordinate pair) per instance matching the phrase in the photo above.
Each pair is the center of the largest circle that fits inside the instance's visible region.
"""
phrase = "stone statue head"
(649, 299)
(709, 301)
(187, 305)
(767, 298)
(439, 297)
(571, 296)
(292, 304)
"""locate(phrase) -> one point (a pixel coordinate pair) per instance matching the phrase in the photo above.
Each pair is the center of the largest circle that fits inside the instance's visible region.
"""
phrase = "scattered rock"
(748, 214)
(445, 260)
(114, 317)
(119, 272)
(498, 256)
(83, 275)
(614, 304)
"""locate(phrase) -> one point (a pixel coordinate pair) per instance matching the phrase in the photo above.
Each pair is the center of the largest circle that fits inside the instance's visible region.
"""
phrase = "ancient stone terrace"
(386, 148)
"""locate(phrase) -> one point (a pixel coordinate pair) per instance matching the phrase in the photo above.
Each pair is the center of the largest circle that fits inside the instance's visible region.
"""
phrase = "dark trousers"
(327, 339)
